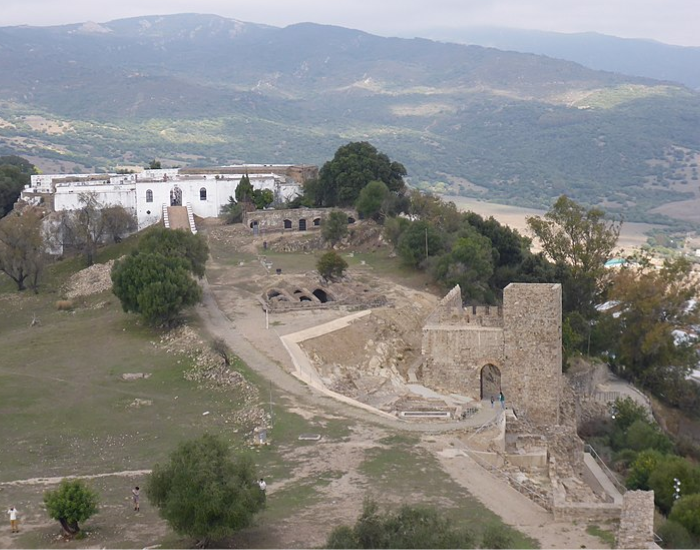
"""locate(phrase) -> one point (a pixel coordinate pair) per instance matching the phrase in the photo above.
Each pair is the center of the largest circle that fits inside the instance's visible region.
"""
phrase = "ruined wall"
(637, 521)
(455, 355)
(295, 219)
(532, 336)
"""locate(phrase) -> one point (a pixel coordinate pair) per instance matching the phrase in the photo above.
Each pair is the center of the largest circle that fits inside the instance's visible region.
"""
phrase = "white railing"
(190, 218)
(166, 219)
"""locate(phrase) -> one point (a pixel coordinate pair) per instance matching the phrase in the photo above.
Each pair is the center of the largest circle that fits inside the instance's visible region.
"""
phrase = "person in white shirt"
(13, 519)
(262, 485)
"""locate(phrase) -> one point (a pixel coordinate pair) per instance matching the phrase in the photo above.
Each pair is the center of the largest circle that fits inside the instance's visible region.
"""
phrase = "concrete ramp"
(178, 217)
(598, 480)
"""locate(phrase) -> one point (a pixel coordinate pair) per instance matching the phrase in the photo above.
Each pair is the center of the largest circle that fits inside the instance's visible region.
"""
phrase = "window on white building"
(149, 195)
(203, 194)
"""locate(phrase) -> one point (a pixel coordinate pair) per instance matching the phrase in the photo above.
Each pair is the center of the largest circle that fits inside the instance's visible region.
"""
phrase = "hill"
(201, 89)
(601, 52)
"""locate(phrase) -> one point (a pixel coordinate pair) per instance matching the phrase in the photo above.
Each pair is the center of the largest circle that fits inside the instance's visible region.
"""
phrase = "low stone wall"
(587, 512)
(637, 521)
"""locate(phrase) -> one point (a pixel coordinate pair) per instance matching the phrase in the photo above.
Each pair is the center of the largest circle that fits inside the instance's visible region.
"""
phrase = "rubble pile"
(91, 280)
(210, 371)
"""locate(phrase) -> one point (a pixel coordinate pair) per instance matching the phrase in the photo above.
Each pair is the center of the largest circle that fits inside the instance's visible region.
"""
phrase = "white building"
(147, 193)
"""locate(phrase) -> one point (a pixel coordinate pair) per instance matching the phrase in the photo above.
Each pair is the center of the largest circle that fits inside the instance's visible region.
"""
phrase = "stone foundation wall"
(293, 219)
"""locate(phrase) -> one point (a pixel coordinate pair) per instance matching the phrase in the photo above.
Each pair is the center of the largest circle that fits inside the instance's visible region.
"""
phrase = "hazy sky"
(670, 21)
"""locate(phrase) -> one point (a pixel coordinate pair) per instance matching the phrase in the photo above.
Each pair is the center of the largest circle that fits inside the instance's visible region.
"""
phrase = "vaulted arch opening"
(490, 382)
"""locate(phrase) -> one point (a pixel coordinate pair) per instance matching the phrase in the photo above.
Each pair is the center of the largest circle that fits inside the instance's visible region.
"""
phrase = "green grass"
(406, 470)
(605, 535)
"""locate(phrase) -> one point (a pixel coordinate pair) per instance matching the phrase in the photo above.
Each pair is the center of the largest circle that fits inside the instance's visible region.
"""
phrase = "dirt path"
(57, 480)
(515, 509)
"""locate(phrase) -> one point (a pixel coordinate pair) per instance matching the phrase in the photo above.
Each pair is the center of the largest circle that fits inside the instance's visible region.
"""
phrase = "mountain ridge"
(202, 89)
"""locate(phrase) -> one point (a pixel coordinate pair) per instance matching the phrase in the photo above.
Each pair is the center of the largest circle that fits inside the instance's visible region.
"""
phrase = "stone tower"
(532, 338)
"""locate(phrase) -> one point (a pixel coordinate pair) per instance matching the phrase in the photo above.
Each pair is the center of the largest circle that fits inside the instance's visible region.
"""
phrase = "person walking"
(502, 399)
(13, 519)
(492, 401)
(136, 496)
(262, 485)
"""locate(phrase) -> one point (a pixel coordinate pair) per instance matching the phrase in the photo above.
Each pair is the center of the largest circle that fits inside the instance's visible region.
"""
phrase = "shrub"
(409, 527)
(331, 266)
(686, 511)
(496, 536)
(674, 535)
(662, 478)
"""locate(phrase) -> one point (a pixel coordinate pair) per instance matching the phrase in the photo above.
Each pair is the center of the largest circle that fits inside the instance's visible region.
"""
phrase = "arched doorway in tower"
(490, 381)
(176, 196)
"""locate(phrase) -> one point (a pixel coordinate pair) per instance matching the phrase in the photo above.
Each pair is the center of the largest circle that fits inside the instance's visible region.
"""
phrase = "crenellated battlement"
(450, 311)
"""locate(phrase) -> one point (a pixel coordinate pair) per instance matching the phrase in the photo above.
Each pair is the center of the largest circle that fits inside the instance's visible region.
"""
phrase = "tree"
(331, 266)
(203, 493)
(652, 303)
(583, 240)
(154, 165)
(22, 255)
(431, 209)
(674, 535)
(419, 241)
(686, 511)
(661, 480)
(641, 468)
(177, 243)
(334, 227)
(262, 198)
(118, 222)
(373, 200)
(15, 173)
(409, 527)
(244, 190)
(71, 503)
(353, 166)
(469, 264)
(232, 212)
(156, 286)
(85, 227)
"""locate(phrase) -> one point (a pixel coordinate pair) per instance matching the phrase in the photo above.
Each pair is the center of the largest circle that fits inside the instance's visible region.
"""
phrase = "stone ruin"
(479, 351)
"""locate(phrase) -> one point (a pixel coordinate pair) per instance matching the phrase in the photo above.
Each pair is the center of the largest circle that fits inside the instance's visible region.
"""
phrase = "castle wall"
(522, 340)
(532, 336)
(455, 356)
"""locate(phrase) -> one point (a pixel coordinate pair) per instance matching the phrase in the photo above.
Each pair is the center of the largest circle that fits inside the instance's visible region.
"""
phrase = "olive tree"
(155, 286)
(72, 502)
(334, 227)
(205, 493)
